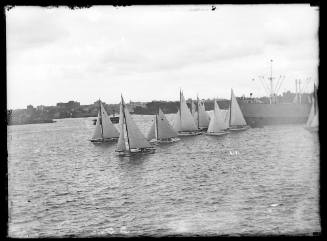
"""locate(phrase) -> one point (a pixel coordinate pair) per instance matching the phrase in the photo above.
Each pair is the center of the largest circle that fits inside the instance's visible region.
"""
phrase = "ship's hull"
(258, 115)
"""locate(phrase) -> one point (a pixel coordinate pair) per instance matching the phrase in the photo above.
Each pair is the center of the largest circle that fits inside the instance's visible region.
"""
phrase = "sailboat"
(236, 118)
(184, 123)
(217, 125)
(161, 131)
(104, 131)
(202, 118)
(313, 118)
(134, 142)
(193, 111)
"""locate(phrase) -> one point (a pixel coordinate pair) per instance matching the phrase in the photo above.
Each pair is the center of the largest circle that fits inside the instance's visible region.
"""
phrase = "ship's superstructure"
(259, 114)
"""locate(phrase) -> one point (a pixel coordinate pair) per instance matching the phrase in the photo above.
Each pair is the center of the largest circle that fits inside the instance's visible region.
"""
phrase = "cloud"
(28, 29)
(105, 50)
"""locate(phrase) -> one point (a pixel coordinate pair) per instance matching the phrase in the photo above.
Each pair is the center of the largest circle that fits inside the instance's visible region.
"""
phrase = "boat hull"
(170, 140)
(114, 139)
(240, 128)
(217, 133)
(191, 133)
(258, 115)
(136, 152)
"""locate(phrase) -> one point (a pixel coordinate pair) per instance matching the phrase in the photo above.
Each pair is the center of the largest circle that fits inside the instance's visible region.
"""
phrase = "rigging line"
(281, 82)
(157, 137)
(230, 109)
(260, 85)
(306, 84)
(264, 86)
(101, 121)
(124, 115)
(277, 86)
(198, 113)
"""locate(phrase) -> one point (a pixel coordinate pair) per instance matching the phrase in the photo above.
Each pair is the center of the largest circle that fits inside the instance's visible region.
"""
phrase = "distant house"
(70, 105)
(30, 110)
(40, 107)
(139, 104)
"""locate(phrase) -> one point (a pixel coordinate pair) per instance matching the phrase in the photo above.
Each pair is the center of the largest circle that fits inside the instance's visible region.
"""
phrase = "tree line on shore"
(72, 109)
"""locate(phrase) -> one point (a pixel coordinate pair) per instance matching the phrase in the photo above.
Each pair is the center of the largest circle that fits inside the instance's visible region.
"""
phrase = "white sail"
(217, 121)
(203, 116)
(226, 118)
(177, 122)
(152, 132)
(315, 121)
(195, 117)
(134, 135)
(193, 108)
(311, 115)
(97, 132)
(236, 113)
(186, 119)
(109, 130)
(165, 130)
(121, 146)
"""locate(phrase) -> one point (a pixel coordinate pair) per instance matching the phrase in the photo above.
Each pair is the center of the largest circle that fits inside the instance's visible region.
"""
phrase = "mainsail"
(217, 123)
(177, 121)
(203, 115)
(311, 115)
(164, 129)
(134, 135)
(226, 117)
(98, 131)
(152, 132)
(121, 146)
(193, 108)
(109, 130)
(186, 121)
(236, 115)
(313, 120)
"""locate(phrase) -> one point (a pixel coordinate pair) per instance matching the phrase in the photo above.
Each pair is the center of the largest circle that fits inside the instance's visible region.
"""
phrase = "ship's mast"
(124, 120)
(197, 97)
(271, 83)
(271, 88)
(101, 119)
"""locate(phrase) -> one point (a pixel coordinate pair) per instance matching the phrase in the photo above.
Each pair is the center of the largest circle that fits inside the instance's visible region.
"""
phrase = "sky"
(148, 53)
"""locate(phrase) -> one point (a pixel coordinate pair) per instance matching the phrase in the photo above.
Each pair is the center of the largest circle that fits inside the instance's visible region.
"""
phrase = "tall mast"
(129, 148)
(157, 137)
(197, 97)
(271, 83)
(230, 108)
(315, 98)
(180, 106)
(101, 119)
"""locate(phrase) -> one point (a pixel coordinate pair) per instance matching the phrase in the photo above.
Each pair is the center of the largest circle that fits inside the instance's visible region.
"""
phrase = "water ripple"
(261, 181)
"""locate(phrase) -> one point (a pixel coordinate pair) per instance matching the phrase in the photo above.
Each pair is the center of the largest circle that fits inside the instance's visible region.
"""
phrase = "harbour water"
(260, 181)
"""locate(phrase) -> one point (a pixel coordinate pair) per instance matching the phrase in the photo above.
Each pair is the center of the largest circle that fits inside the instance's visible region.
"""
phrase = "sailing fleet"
(187, 122)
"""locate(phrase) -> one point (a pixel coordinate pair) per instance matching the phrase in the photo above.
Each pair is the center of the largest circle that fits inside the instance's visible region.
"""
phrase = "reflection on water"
(259, 181)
